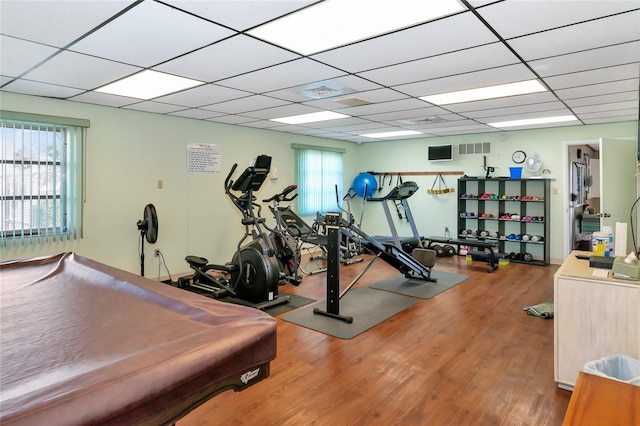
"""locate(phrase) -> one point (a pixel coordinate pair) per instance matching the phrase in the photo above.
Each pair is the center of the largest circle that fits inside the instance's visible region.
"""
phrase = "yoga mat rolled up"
(621, 239)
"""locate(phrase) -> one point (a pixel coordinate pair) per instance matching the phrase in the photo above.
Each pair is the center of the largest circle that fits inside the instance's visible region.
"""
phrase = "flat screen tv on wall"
(440, 153)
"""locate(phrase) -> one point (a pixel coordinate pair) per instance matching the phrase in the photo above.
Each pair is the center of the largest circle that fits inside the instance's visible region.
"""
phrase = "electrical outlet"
(156, 252)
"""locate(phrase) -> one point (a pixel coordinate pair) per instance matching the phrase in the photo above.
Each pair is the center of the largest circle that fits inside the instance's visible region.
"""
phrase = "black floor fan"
(148, 228)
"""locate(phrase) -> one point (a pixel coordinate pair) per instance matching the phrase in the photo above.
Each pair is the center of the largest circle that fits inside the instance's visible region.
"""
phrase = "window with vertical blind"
(41, 177)
(318, 171)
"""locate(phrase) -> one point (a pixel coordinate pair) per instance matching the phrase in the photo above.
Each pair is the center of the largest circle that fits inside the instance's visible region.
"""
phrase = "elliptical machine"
(253, 275)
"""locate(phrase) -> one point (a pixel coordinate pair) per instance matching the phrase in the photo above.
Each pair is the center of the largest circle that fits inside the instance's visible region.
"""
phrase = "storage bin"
(618, 367)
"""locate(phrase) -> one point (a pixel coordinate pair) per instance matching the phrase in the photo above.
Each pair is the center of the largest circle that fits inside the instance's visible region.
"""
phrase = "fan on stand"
(148, 228)
(533, 164)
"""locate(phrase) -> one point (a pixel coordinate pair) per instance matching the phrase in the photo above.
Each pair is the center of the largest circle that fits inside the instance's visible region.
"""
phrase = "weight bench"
(487, 247)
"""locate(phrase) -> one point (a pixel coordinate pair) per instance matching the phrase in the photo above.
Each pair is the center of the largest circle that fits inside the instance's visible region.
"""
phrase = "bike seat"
(196, 261)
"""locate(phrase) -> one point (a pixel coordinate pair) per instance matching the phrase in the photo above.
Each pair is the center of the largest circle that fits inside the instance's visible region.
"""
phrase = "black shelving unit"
(513, 212)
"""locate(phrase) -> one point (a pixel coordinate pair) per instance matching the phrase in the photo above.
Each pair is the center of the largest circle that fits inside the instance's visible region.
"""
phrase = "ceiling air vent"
(322, 89)
(353, 101)
(424, 120)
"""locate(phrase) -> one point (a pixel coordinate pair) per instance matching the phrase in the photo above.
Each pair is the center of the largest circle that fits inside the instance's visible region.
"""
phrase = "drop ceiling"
(586, 52)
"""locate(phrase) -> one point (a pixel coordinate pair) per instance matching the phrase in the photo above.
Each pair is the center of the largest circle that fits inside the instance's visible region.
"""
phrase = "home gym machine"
(398, 196)
(333, 223)
(415, 265)
(253, 275)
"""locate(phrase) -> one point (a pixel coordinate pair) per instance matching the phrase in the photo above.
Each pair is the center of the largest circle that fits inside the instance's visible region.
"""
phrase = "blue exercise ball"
(365, 182)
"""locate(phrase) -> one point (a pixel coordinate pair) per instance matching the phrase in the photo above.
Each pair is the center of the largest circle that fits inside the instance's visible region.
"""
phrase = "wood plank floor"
(469, 356)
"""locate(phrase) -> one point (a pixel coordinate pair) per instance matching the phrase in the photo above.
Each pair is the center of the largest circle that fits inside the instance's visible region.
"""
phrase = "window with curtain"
(41, 177)
(318, 171)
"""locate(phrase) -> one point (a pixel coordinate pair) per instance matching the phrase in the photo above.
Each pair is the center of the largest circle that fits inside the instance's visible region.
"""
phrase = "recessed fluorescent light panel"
(333, 23)
(392, 134)
(489, 92)
(310, 118)
(531, 121)
(148, 85)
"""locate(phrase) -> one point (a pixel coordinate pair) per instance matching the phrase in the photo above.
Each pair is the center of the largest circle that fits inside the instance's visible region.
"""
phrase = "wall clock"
(518, 156)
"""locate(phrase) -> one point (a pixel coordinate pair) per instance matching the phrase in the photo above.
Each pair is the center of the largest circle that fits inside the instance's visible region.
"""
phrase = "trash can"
(618, 367)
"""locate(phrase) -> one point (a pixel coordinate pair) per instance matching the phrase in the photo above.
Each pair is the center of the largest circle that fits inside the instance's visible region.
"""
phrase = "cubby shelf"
(504, 202)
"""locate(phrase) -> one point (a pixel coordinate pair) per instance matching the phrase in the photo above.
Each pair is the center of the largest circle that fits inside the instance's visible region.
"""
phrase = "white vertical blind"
(41, 179)
(318, 171)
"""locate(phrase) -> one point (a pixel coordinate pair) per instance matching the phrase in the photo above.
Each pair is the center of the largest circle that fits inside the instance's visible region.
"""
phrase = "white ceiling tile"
(196, 113)
(104, 99)
(359, 125)
(81, 71)
(507, 116)
(412, 114)
(599, 89)
(147, 35)
(155, 107)
(508, 102)
(611, 113)
(471, 128)
(462, 61)
(480, 3)
(617, 106)
(422, 122)
(56, 23)
(203, 95)
(375, 96)
(261, 124)
(521, 109)
(242, 105)
(631, 117)
(626, 53)
(40, 89)
(336, 125)
(241, 15)
(221, 60)
(607, 31)
(515, 18)
(506, 74)
(444, 35)
(289, 74)
(601, 75)
(251, 81)
(397, 105)
(281, 111)
(603, 99)
(234, 119)
(19, 56)
(346, 84)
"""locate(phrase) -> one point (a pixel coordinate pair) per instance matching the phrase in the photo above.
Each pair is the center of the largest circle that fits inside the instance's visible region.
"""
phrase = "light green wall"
(129, 151)
(433, 212)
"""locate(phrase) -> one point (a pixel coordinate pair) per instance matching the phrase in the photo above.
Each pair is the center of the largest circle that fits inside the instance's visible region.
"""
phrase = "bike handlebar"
(282, 196)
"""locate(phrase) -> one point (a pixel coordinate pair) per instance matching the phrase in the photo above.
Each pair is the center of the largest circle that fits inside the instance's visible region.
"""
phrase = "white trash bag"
(618, 367)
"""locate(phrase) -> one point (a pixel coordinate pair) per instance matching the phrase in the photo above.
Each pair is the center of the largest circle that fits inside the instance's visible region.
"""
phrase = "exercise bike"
(253, 275)
(286, 247)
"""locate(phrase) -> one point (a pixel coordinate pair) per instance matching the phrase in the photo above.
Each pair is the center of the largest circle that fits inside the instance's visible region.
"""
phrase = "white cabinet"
(594, 317)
